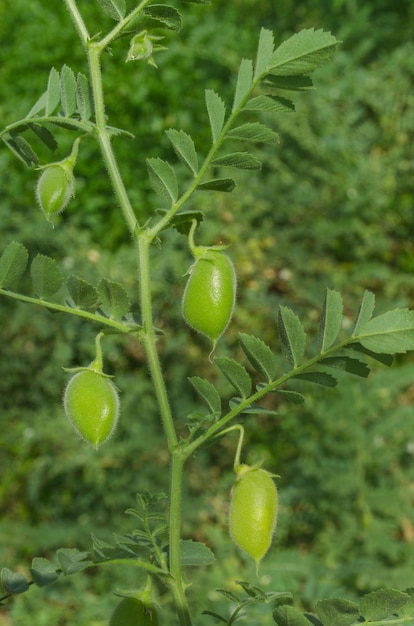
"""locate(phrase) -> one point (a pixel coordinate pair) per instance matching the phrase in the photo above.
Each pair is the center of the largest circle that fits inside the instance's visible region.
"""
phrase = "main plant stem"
(143, 240)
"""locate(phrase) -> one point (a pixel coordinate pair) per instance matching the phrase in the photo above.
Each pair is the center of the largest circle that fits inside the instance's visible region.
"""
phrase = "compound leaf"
(292, 336)
(208, 392)
(46, 276)
(184, 147)
(236, 374)
(302, 53)
(255, 132)
(331, 319)
(113, 297)
(216, 112)
(260, 355)
(13, 263)
(163, 179)
(244, 82)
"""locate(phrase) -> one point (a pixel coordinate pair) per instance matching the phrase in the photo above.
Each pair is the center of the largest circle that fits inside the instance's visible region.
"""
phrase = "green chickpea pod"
(91, 401)
(210, 292)
(56, 184)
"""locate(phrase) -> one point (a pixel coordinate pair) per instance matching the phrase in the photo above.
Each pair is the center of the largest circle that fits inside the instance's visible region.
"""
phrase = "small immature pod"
(253, 511)
(91, 404)
(210, 293)
(56, 184)
(134, 612)
(54, 189)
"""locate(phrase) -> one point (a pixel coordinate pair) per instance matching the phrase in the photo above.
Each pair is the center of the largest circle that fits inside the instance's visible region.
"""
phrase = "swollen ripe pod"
(91, 404)
(133, 612)
(54, 189)
(210, 293)
(253, 511)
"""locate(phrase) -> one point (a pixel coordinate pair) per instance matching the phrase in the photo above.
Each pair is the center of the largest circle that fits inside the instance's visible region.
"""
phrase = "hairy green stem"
(104, 139)
(78, 21)
(177, 460)
(120, 327)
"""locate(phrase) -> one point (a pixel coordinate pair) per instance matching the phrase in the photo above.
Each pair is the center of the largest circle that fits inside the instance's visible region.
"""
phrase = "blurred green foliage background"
(332, 207)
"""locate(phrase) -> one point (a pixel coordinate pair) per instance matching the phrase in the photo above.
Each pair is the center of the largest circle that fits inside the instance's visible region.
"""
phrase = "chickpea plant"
(76, 104)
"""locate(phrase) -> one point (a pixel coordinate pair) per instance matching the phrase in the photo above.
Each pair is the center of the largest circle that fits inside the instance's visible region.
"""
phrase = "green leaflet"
(236, 374)
(114, 8)
(114, 299)
(365, 311)
(21, 148)
(52, 92)
(195, 553)
(72, 560)
(302, 53)
(264, 52)
(46, 276)
(208, 392)
(331, 319)
(389, 333)
(43, 571)
(244, 82)
(240, 160)
(289, 616)
(218, 184)
(337, 612)
(13, 582)
(259, 355)
(319, 378)
(269, 104)
(346, 363)
(382, 604)
(184, 147)
(83, 294)
(216, 113)
(13, 263)
(165, 16)
(67, 91)
(83, 97)
(292, 336)
(254, 132)
(163, 179)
